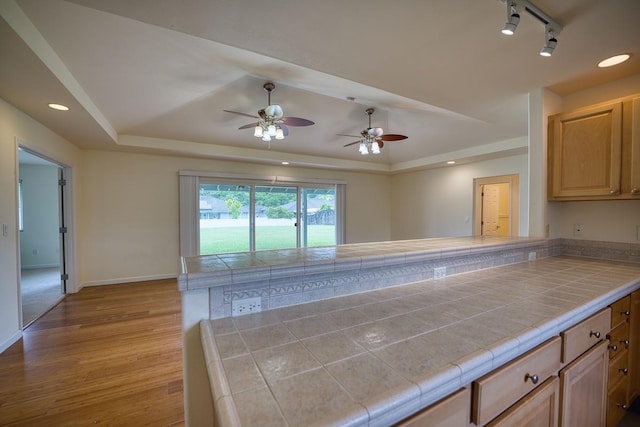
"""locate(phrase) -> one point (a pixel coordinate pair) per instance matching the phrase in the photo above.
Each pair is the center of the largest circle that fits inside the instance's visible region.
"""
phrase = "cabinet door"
(586, 152)
(537, 409)
(635, 149)
(583, 389)
(634, 347)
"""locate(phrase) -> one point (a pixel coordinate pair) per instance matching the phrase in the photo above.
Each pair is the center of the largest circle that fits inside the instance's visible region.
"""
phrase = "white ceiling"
(157, 74)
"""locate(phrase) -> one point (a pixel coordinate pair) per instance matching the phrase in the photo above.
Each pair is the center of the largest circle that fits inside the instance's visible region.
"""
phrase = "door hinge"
(62, 182)
(64, 277)
(63, 230)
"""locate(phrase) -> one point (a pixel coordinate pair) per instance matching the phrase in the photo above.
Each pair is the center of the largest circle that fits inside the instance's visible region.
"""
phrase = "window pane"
(275, 217)
(318, 217)
(224, 218)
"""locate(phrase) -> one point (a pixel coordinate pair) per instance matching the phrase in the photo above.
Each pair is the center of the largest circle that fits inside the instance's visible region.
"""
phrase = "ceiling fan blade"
(354, 142)
(285, 129)
(242, 114)
(296, 121)
(249, 126)
(350, 136)
(380, 144)
(393, 137)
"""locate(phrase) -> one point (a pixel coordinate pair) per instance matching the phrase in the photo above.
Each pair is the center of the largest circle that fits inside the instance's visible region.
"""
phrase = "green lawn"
(236, 239)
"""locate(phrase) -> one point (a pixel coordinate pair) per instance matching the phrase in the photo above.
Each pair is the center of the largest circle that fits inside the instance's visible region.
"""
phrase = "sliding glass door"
(247, 217)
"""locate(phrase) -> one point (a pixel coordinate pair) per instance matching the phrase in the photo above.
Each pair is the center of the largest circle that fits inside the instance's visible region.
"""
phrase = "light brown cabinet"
(634, 347)
(537, 409)
(583, 389)
(594, 153)
(619, 372)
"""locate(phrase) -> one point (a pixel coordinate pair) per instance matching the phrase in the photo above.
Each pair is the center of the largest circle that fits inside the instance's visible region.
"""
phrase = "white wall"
(40, 241)
(439, 202)
(613, 221)
(14, 125)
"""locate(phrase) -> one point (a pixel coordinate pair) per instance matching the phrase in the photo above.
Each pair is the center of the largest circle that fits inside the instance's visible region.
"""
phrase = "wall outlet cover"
(246, 306)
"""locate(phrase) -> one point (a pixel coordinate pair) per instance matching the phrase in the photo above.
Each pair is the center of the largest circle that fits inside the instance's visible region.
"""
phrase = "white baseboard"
(127, 280)
(5, 345)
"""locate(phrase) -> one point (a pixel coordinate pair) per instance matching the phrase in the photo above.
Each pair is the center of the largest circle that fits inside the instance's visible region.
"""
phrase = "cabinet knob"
(614, 191)
(635, 190)
(613, 347)
(622, 406)
(534, 378)
(626, 313)
(594, 334)
(626, 343)
(625, 371)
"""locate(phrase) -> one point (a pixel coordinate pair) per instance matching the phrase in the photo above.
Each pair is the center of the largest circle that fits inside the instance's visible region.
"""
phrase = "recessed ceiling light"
(451, 162)
(285, 163)
(59, 107)
(614, 60)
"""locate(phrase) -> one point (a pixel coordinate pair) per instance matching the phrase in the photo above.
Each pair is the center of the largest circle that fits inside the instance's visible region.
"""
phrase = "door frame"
(66, 203)
(514, 202)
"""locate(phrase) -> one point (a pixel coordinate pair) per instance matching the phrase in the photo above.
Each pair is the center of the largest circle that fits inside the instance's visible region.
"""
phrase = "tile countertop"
(376, 357)
(233, 268)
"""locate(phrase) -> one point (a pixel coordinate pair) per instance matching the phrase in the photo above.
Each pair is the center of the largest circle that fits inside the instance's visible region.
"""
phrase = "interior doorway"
(42, 245)
(496, 206)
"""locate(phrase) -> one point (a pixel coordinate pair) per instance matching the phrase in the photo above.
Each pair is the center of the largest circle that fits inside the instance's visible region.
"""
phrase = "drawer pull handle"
(622, 406)
(594, 334)
(625, 371)
(613, 347)
(534, 378)
(614, 191)
(626, 343)
(626, 313)
(635, 190)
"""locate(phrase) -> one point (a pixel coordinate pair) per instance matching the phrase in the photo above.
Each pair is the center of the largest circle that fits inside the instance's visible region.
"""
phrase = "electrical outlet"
(532, 256)
(246, 306)
(439, 272)
(577, 230)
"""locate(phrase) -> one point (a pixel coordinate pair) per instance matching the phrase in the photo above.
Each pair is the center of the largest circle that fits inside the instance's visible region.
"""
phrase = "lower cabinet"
(634, 347)
(583, 389)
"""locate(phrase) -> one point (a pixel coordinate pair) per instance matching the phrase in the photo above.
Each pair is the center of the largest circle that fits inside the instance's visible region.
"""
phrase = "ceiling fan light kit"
(271, 120)
(372, 139)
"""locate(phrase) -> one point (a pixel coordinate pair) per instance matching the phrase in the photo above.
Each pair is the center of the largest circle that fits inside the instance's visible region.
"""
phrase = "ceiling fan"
(271, 119)
(373, 139)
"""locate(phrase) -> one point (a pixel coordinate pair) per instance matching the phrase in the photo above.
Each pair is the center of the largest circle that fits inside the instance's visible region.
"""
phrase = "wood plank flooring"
(108, 355)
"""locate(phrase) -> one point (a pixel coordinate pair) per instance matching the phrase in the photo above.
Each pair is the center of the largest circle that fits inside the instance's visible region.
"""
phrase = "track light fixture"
(550, 42)
(513, 18)
(551, 27)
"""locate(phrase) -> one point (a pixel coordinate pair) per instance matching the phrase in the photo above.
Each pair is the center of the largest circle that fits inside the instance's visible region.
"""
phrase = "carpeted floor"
(41, 290)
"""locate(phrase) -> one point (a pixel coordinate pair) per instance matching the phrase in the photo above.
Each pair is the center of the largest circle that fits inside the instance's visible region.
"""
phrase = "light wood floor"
(108, 355)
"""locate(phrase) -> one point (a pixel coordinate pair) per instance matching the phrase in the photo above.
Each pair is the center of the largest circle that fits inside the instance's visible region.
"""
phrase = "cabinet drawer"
(579, 338)
(620, 311)
(618, 368)
(538, 408)
(618, 339)
(451, 411)
(617, 403)
(500, 389)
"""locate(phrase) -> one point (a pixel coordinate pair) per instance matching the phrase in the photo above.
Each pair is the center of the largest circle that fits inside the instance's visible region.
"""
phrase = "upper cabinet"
(594, 152)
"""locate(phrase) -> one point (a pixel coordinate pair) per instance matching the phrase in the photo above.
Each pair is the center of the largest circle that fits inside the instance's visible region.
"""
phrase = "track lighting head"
(513, 18)
(550, 42)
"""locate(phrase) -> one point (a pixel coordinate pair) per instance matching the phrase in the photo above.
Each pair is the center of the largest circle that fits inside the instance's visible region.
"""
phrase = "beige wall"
(439, 202)
(128, 222)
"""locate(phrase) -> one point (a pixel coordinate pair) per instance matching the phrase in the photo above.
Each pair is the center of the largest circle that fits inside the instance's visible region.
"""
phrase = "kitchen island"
(376, 357)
